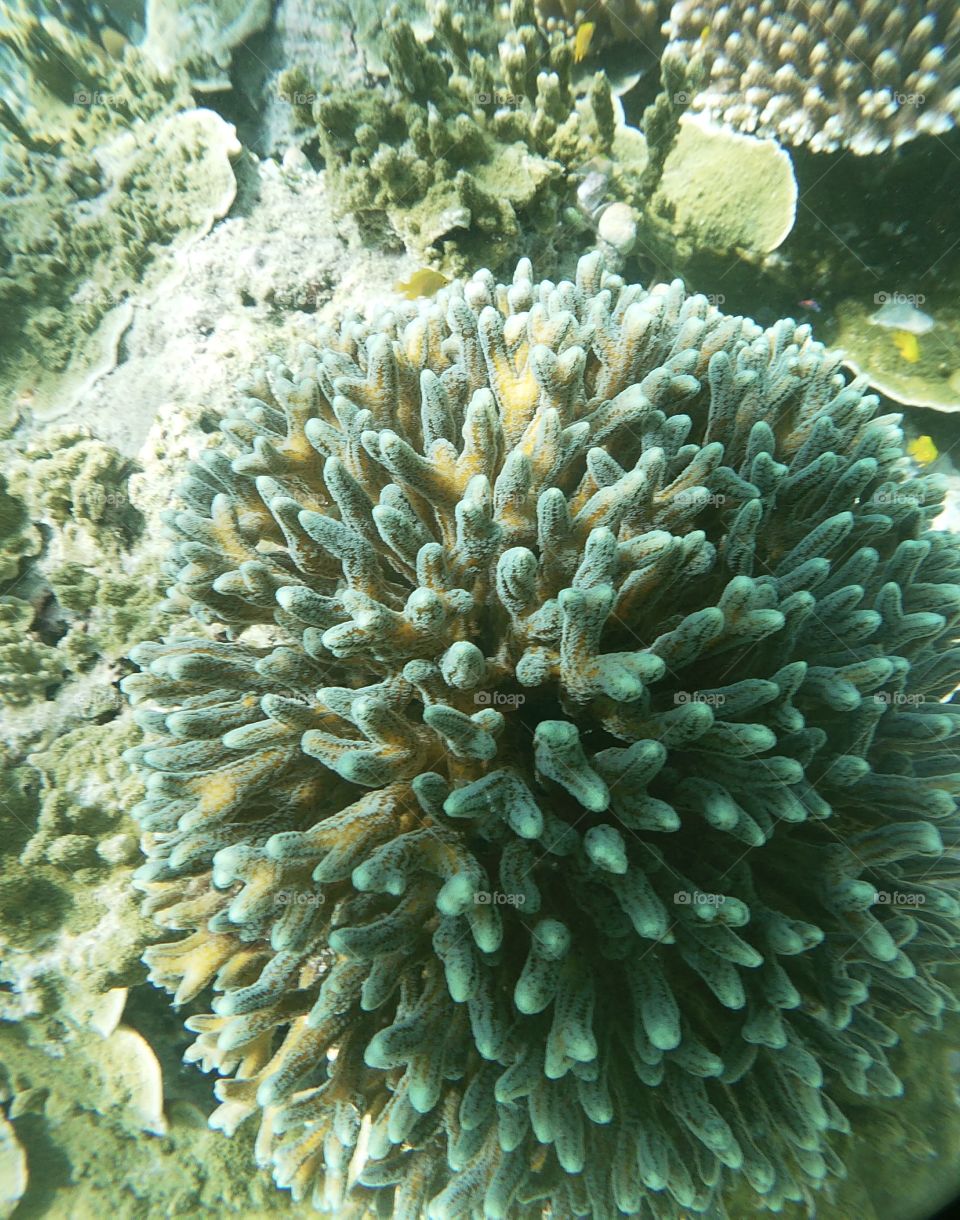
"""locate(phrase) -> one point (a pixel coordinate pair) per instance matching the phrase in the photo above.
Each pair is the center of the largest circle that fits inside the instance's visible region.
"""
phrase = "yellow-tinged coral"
(526, 796)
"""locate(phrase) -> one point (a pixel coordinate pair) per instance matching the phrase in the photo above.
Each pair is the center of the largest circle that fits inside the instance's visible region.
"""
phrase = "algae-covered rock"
(104, 587)
(66, 477)
(19, 538)
(69, 929)
(106, 172)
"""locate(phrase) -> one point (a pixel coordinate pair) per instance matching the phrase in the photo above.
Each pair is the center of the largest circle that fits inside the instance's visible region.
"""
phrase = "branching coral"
(859, 75)
(464, 159)
(557, 800)
(27, 665)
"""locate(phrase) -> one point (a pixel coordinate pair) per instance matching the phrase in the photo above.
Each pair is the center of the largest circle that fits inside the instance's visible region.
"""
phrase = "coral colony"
(559, 799)
(863, 74)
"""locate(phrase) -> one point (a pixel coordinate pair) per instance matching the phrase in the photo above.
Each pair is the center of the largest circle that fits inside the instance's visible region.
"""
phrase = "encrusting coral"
(557, 797)
(105, 172)
(861, 75)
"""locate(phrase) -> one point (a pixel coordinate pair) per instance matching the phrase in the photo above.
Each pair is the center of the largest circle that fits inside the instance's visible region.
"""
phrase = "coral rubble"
(557, 787)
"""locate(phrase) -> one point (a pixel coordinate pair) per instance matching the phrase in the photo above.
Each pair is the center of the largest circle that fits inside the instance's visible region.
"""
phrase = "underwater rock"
(862, 76)
(136, 1079)
(13, 1169)
(563, 707)
(200, 35)
(618, 227)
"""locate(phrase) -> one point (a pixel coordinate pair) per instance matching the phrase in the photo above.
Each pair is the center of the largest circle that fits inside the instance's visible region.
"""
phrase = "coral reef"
(106, 171)
(19, 538)
(557, 786)
(924, 374)
(27, 665)
(724, 191)
(67, 874)
(465, 160)
(863, 76)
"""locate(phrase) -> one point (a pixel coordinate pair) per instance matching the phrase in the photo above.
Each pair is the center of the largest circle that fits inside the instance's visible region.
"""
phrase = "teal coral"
(560, 799)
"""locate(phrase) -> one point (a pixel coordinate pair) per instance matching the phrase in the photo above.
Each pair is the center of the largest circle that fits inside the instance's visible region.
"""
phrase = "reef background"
(224, 239)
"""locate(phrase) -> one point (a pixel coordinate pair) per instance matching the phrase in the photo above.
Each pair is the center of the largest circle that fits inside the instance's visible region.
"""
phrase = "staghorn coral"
(568, 713)
(861, 75)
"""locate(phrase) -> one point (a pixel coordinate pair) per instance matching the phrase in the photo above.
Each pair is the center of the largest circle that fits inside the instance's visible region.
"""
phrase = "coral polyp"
(556, 796)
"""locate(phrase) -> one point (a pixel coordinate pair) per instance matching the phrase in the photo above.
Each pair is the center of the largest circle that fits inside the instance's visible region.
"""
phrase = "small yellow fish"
(923, 450)
(907, 344)
(423, 283)
(581, 43)
(705, 33)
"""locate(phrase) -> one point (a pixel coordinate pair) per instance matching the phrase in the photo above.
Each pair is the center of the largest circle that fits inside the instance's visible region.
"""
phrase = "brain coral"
(556, 800)
(861, 74)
